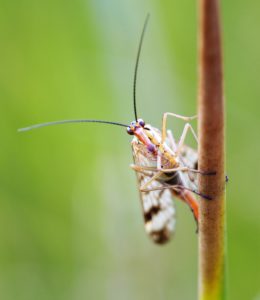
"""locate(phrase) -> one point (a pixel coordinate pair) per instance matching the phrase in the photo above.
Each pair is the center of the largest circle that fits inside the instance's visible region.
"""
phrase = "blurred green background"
(70, 220)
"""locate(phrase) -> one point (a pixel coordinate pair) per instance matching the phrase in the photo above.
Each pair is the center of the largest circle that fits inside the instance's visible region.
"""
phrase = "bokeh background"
(70, 220)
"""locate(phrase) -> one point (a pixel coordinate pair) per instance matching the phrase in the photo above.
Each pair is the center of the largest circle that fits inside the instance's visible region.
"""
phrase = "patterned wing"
(157, 205)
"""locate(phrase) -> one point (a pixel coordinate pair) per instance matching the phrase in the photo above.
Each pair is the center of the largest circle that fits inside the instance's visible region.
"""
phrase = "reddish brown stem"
(211, 152)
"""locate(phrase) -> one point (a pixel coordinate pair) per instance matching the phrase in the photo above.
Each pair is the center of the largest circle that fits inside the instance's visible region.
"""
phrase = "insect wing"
(158, 207)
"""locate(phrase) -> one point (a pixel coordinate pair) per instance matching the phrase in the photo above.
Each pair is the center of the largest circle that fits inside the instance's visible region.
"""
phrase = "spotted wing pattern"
(158, 207)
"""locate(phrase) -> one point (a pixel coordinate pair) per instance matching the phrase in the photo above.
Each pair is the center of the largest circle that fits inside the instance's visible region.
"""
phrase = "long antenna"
(137, 62)
(69, 121)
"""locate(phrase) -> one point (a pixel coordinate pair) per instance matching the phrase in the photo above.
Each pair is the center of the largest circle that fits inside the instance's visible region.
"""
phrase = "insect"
(165, 169)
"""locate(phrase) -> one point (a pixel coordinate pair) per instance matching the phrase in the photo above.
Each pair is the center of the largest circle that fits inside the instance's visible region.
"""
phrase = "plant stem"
(211, 153)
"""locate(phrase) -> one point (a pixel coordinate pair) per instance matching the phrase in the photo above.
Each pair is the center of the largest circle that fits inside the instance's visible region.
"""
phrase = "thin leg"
(159, 161)
(183, 169)
(172, 140)
(186, 169)
(143, 170)
(187, 127)
(155, 176)
(165, 115)
(177, 188)
(164, 187)
(153, 169)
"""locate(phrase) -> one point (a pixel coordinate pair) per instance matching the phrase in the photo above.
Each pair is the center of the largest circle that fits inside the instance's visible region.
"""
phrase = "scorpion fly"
(165, 169)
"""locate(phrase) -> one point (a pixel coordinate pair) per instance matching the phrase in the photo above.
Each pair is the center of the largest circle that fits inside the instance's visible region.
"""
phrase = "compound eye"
(141, 122)
(129, 131)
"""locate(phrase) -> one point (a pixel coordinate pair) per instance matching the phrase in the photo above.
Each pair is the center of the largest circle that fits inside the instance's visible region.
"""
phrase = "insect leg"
(165, 115)
(186, 169)
(153, 169)
(187, 127)
(155, 176)
(159, 161)
(172, 140)
(177, 188)
(143, 169)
